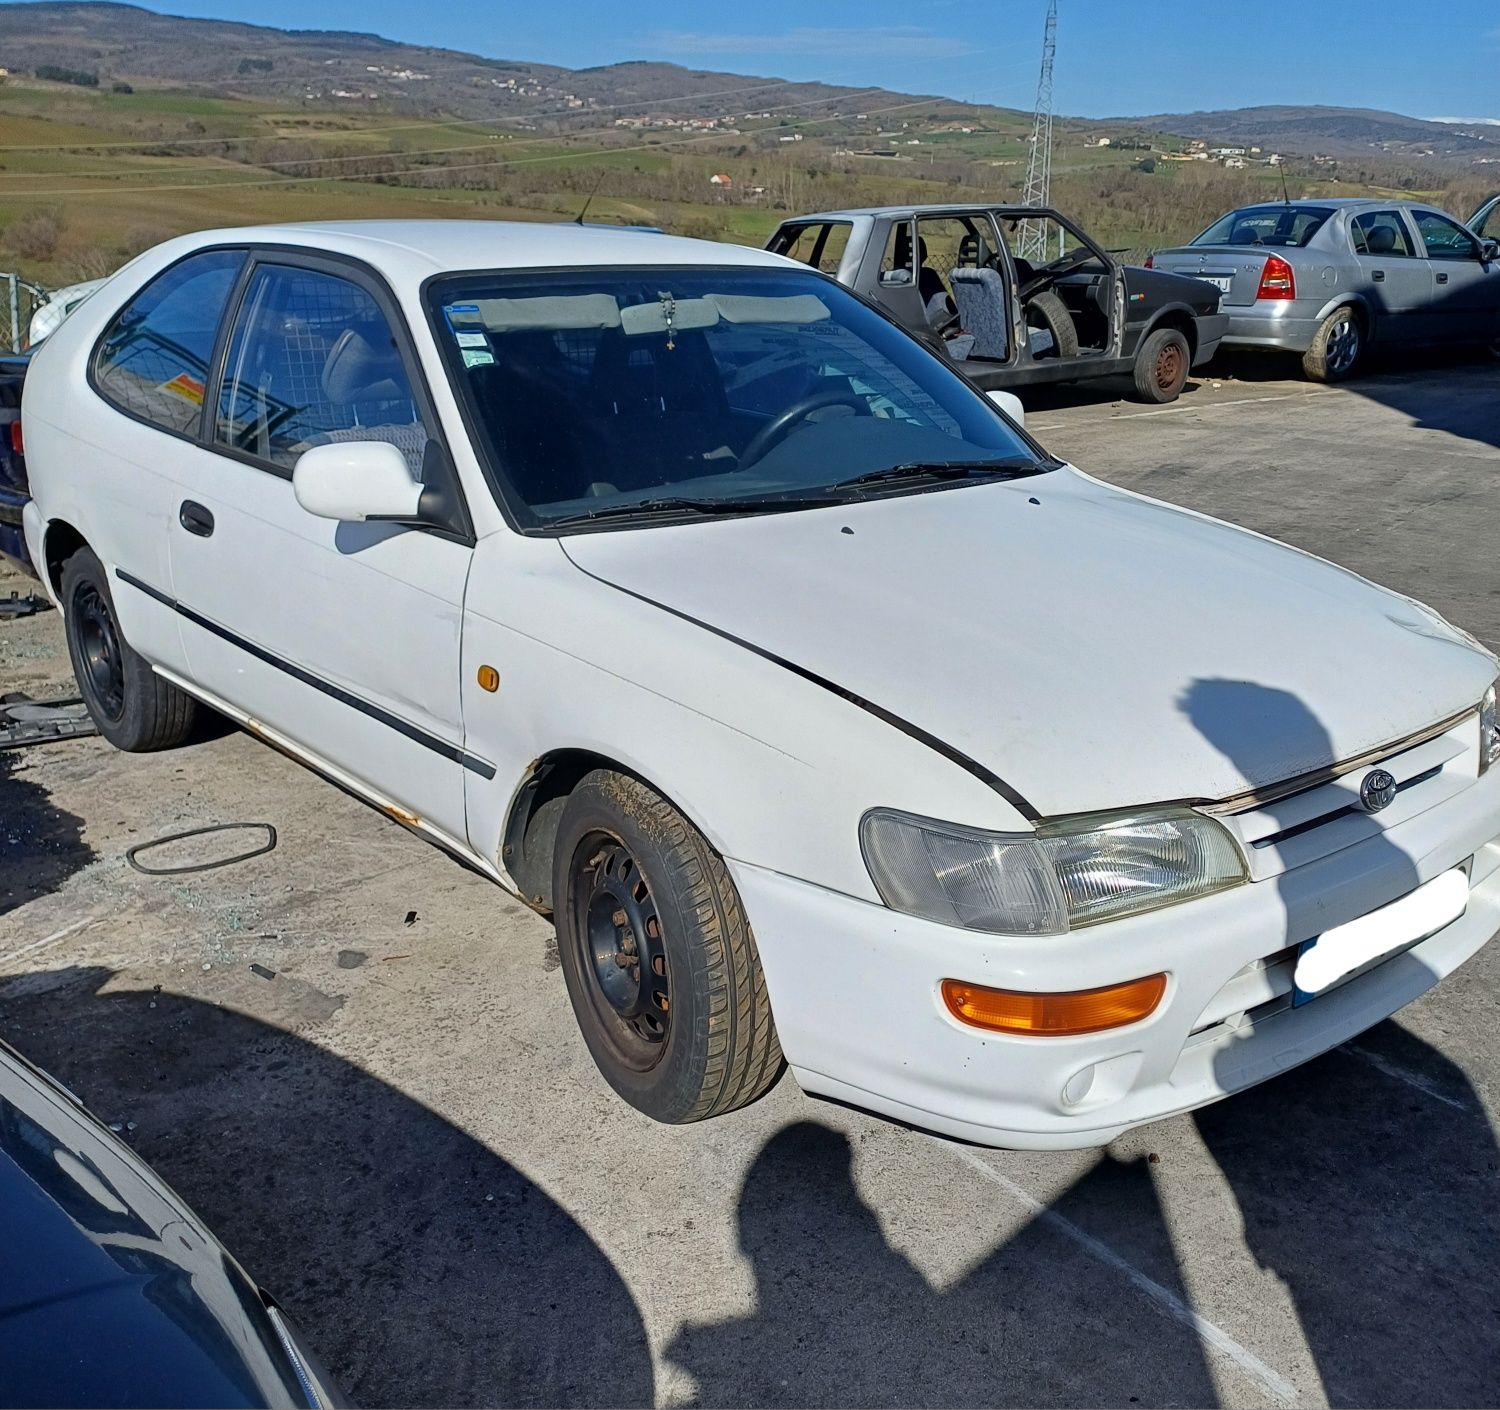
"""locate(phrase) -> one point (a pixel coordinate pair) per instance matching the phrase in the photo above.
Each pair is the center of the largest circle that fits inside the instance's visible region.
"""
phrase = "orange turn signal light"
(1054, 1015)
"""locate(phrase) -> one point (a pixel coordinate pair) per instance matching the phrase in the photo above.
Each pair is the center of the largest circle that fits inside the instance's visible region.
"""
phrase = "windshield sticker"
(462, 313)
(470, 340)
(478, 357)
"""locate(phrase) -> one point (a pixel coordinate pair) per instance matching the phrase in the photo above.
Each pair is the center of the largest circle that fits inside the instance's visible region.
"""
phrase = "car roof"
(416, 249)
(1332, 202)
(919, 208)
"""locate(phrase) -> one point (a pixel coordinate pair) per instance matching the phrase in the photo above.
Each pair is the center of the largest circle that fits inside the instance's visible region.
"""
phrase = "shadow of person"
(41, 845)
(843, 1318)
(1365, 1180)
(423, 1268)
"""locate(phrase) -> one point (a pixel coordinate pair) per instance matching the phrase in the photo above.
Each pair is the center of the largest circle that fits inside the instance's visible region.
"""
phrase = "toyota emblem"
(1376, 790)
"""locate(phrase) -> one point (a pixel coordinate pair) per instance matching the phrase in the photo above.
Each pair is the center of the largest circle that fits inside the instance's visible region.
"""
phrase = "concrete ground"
(393, 1123)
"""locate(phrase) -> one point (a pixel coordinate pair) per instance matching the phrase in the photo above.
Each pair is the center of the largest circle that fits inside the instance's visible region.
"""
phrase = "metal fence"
(19, 299)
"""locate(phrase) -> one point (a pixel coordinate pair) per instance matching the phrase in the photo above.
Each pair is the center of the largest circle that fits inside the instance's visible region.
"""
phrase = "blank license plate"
(1339, 955)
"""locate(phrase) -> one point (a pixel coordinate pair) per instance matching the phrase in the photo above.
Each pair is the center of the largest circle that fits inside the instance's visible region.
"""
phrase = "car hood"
(1093, 648)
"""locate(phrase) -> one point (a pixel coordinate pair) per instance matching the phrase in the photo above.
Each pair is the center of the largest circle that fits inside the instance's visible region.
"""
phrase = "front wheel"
(1335, 349)
(658, 957)
(1161, 366)
(133, 707)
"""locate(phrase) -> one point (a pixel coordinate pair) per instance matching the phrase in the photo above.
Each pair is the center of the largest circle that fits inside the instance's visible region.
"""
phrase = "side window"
(152, 361)
(818, 246)
(1380, 233)
(313, 361)
(1444, 238)
(899, 256)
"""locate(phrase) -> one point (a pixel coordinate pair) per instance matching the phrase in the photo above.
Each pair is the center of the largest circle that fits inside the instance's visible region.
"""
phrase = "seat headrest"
(1381, 240)
(1244, 235)
(357, 369)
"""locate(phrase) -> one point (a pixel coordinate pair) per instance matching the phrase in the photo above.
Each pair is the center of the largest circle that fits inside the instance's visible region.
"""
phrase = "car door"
(893, 281)
(344, 637)
(151, 365)
(1464, 301)
(1394, 278)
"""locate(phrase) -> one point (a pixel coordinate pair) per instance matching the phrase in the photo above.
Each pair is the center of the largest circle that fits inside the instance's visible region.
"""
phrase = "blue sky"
(1115, 57)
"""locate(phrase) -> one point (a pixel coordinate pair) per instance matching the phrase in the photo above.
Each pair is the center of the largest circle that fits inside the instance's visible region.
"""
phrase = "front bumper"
(854, 988)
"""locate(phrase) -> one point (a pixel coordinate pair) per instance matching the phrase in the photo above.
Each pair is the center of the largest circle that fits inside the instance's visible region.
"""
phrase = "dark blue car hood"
(111, 1291)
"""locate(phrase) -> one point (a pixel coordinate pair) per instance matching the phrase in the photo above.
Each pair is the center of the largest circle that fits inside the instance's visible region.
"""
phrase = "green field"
(89, 177)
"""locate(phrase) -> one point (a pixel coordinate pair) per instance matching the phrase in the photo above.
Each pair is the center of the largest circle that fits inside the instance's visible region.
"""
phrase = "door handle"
(1378, 276)
(1442, 276)
(195, 518)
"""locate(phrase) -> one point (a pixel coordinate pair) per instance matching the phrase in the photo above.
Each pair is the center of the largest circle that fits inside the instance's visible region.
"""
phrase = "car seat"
(980, 294)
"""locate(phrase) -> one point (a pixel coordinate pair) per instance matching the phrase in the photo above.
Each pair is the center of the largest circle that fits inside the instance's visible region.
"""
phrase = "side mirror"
(354, 481)
(1010, 404)
(896, 276)
(1489, 250)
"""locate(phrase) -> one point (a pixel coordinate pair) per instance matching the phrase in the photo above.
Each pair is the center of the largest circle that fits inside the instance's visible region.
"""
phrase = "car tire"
(1336, 347)
(685, 1032)
(133, 707)
(1161, 365)
(1047, 311)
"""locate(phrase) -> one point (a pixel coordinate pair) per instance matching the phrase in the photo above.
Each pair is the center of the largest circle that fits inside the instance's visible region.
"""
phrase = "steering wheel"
(780, 426)
(1051, 273)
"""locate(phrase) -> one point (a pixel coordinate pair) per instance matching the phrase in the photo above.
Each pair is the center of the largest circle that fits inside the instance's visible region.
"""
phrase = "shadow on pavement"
(340, 1194)
(1371, 1195)
(41, 845)
(843, 1318)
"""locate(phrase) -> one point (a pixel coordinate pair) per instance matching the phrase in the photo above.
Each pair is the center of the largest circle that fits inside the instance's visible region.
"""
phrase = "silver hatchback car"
(1328, 278)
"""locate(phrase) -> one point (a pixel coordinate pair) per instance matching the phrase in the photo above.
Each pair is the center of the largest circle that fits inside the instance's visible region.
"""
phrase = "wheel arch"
(60, 541)
(528, 842)
(1352, 300)
(1179, 317)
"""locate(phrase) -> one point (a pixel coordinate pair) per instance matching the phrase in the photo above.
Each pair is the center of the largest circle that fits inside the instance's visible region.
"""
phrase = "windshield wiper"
(684, 504)
(946, 470)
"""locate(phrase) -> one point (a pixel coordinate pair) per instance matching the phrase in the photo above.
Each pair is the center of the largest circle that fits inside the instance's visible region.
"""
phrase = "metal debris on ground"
(261, 970)
(17, 606)
(24, 721)
(411, 918)
(132, 853)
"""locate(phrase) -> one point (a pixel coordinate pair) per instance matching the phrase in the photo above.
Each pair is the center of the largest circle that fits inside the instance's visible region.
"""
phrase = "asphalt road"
(401, 1135)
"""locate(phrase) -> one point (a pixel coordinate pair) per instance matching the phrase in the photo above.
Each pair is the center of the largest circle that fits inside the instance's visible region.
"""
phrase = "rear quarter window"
(153, 360)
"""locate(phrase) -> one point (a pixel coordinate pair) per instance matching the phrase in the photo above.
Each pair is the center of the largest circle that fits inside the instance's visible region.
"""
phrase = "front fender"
(774, 769)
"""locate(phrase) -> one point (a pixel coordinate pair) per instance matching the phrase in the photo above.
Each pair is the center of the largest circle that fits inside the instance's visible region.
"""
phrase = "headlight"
(1062, 876)
(1489, 730)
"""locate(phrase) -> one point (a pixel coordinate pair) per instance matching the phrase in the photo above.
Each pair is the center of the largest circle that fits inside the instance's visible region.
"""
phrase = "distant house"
(720, 178)
(1234, 163)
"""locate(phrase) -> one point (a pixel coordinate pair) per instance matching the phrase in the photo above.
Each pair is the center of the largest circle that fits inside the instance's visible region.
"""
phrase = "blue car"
(112, 1292)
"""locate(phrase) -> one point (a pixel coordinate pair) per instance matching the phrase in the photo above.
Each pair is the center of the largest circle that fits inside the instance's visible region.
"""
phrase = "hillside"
(124, 43)
(1329, 130)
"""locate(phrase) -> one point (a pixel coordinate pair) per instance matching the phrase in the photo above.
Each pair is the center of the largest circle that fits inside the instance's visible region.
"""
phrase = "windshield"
(1285, 226)
(595, 391)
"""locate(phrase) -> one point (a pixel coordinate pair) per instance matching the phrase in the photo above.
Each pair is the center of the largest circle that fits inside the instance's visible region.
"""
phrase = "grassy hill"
(170, 125)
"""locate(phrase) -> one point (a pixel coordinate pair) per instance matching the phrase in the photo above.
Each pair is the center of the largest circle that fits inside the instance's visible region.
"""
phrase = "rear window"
(1287, 227)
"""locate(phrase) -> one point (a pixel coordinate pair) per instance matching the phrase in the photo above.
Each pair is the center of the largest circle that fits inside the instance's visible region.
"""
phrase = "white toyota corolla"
(685, 595)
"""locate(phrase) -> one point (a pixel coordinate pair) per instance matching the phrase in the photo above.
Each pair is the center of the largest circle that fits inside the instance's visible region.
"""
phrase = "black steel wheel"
(133, 707)
(103, 678)
(660, 964)
(616, 925)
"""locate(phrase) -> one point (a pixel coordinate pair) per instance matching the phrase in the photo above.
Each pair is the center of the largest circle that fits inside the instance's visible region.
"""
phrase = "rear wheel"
(133, 707)
(1336, 347)
(659, 960)
(1161, 365)
(1045, 312)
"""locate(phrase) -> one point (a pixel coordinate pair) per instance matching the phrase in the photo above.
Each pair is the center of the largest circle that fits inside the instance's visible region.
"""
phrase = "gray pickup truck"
(953, 275)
